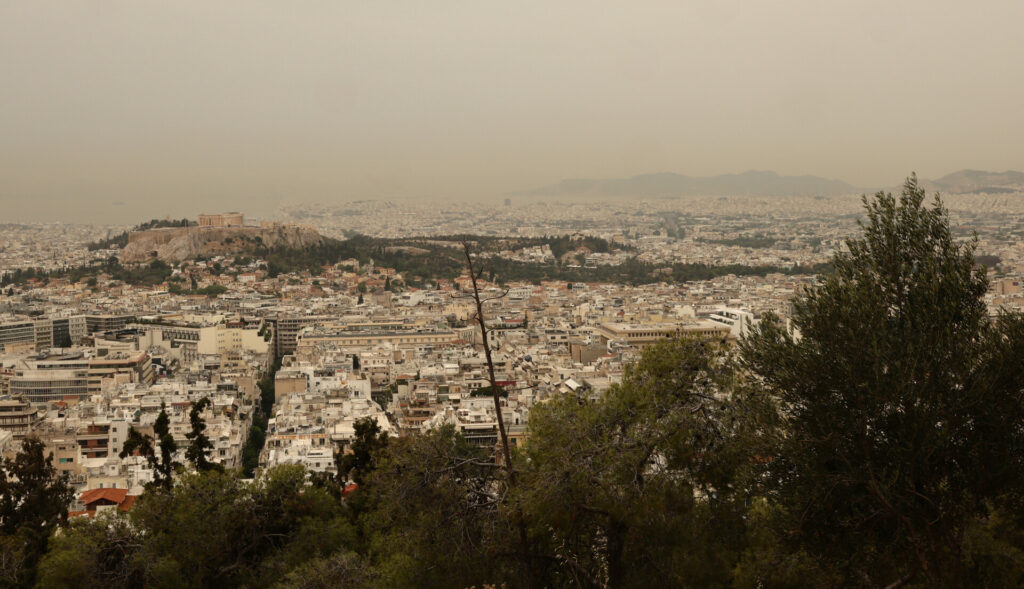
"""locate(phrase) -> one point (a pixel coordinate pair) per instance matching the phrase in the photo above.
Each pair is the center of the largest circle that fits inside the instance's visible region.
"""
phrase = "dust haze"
(120, 111)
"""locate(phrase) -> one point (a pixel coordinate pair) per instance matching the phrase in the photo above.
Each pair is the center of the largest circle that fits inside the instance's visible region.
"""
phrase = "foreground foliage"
(209, 530)
(903, 401)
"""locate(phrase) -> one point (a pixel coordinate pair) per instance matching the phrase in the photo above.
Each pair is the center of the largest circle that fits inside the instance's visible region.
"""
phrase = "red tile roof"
(94, 495)
(127, 503)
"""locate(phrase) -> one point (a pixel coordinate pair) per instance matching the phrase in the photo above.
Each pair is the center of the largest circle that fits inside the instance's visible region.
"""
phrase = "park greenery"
(211, 291)
(750, 241)
(421, 260)
(876, 440)
(154, 273)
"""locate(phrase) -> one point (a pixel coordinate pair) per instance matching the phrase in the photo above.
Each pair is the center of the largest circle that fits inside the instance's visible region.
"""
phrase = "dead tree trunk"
(531, 577)
(503, 435)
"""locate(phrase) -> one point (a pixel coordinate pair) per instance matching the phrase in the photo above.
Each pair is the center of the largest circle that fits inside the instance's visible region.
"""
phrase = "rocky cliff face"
(176, 244)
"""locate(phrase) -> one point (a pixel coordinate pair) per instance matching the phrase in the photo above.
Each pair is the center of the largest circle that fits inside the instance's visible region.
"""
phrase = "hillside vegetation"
(121, 239)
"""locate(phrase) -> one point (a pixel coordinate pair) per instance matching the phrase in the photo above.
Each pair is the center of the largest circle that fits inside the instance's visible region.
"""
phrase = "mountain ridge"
(762, 183)
(967, 181)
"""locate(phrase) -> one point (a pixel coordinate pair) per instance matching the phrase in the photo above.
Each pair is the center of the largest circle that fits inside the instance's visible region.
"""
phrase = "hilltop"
(175, 244)
(968, 181)
(764, 183)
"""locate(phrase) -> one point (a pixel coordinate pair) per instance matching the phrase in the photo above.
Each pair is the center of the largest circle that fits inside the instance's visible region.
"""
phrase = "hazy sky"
(178, 107)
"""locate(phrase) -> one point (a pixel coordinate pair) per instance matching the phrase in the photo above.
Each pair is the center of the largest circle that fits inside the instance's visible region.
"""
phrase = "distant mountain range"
(966, 181)
(763, 183)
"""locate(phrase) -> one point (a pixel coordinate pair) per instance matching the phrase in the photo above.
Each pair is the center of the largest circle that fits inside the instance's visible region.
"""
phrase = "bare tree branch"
(524, 543)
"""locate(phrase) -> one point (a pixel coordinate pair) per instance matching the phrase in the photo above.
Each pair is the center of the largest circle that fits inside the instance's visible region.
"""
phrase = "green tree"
(251, 452)
(361, 459)
(199, 447)
(433, 506)
(209, 530)
(139, 444)
(268, 394)
(901, 401)
(215, 531)
(343, 570)
(102, 551)
(34, 501)
(658, 471)
(165, 467)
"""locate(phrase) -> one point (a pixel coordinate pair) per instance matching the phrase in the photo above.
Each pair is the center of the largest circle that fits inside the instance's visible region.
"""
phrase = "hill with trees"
(121, 239)
(965, 181)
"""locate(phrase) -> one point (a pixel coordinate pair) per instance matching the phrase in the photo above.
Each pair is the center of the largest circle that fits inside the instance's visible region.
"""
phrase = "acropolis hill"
(215, 235)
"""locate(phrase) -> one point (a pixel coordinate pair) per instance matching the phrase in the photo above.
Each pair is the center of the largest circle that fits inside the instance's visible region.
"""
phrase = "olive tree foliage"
(900, 398)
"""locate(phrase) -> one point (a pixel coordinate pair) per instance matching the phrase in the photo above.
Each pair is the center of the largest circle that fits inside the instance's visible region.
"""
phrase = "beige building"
(643, 334)
(401, 334)
(45, 378)
(288, 383)
(193, 338)
(18, 417)
(136, 366)
(17, 334)
(104, 323)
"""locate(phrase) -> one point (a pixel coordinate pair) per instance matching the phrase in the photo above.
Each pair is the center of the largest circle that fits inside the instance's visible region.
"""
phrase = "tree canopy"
(901, 400)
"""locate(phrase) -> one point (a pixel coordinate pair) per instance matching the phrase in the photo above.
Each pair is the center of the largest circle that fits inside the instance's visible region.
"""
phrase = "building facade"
(222, 220)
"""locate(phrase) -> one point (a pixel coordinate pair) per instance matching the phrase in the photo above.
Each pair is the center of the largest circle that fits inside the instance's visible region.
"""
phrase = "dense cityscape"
(534, 295)
(290, 341)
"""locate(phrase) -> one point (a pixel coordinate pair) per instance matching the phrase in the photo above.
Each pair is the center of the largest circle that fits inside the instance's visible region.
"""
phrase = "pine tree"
(369, 441)
(198, 451)
(901, 400)
(163, 466)
(164, 471)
